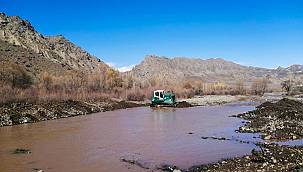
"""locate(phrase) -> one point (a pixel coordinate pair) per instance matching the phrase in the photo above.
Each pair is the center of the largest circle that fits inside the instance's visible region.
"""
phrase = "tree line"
(16, 84)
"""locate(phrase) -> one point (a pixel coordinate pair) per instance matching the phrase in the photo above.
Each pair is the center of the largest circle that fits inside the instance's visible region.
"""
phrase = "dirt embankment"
(269, 158)
(20, 113)
(282, 120)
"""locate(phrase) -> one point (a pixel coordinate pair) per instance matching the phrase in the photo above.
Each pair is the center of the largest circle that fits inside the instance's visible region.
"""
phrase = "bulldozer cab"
(159, 94)
(163, 98)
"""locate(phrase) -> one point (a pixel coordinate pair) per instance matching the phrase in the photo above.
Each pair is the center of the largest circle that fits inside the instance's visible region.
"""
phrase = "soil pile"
(19, 113)
(183, 104)
(270, 158)
(282, 120)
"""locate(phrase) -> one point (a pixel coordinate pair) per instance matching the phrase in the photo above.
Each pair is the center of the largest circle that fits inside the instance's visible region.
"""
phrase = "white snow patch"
(126, 68)
(121, 68)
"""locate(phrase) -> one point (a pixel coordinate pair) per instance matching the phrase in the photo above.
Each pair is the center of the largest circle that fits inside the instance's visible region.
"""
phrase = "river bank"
(210, 100)
(24, 112)
(278, 121)
(270, 157)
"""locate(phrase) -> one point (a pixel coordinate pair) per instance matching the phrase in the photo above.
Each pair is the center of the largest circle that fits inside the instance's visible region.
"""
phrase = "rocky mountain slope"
(23, 45)
(209, 70)
(14, 59)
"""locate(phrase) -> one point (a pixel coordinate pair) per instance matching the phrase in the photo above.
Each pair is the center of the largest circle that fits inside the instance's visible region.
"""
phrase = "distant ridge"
(209, 70)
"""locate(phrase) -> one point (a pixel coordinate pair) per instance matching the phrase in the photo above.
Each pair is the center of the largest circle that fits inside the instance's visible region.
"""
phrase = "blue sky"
(264, 33)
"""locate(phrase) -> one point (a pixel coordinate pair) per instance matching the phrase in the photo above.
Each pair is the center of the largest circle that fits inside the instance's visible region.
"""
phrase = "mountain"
(210, 70)
(22, 45)
(298, 69)
(24, 50)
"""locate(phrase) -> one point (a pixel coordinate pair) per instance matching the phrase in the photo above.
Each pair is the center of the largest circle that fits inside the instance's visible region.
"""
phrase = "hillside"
(22, 45)
(209, 70)
(14, 58)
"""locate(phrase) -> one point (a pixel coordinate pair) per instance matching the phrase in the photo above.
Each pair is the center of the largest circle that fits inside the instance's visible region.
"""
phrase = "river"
(152, 137)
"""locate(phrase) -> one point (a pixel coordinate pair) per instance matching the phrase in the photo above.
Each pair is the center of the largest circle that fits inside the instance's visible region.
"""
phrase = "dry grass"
(111, 84)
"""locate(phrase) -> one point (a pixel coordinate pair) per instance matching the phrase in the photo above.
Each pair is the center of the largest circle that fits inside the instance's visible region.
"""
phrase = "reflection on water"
(161, 115)
(152, 136)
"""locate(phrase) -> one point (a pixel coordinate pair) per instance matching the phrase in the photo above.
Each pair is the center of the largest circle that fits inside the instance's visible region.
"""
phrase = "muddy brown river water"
(98, 142)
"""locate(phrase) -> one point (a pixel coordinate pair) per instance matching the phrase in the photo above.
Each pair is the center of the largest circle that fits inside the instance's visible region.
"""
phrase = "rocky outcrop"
(14, 56)
(56, 49)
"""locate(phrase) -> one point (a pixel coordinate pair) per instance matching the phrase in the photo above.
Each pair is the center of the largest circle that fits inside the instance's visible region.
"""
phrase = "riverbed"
(149, 137)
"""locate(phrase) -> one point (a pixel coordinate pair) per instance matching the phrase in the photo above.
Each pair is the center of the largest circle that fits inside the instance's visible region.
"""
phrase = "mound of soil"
(270, 157)
(282, 120)
(20, 113)
(183, 104)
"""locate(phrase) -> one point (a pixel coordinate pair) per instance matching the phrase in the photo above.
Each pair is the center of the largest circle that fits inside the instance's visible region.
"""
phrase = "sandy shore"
(209, 100)
(217, 99)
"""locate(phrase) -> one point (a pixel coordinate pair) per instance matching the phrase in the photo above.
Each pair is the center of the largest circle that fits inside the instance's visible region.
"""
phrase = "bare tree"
(239, 87)
(287, 85)
(46, 81)
(259, 87)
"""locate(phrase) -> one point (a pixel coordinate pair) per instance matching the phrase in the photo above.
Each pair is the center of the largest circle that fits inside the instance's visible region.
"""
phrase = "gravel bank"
(269, 158)
(216, 99)
(282, 120)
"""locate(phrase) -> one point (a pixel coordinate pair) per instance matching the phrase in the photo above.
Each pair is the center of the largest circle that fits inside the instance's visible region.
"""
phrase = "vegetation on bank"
(16, 85)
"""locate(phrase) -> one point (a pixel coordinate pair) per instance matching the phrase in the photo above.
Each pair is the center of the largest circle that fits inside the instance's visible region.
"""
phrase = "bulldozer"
(162, 98)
